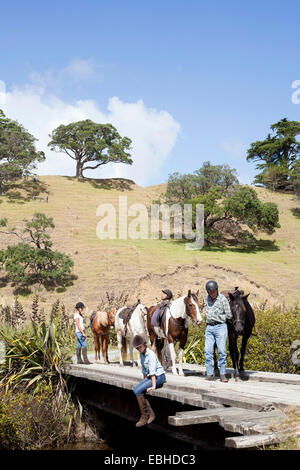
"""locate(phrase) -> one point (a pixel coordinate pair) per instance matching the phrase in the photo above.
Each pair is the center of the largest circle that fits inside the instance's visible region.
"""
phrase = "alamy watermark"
(296, 94)
(160, 221)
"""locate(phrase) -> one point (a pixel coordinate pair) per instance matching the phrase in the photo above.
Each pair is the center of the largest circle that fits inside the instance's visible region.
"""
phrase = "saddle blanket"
(155, 320)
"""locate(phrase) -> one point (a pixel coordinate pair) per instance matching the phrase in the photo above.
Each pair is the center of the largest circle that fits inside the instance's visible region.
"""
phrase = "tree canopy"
(33, 260)
(18, 155)
(181, 188)
(277, 155)
(241, 207)
(90, 144)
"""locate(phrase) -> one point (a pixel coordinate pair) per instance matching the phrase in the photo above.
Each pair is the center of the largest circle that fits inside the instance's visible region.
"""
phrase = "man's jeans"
(146, 383)
(215, 334)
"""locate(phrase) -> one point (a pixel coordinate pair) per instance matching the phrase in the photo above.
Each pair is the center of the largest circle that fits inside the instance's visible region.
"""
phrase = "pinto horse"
(127, 330)
(100, 328)
(241, 324)
(175, 327)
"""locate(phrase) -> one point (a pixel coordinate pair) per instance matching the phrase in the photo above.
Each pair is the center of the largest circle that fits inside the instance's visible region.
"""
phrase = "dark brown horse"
(241, 324)
(100, 328)
(174, 327)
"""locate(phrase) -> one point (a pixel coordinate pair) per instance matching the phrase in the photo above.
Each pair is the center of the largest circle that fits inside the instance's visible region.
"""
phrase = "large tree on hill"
(181, 188)
(18, 155)
(276, 155)
(242, 207)
(33, 259)
(90, 144)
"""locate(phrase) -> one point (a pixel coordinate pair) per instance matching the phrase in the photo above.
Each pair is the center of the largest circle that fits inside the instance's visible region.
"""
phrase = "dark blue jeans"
(146, 383)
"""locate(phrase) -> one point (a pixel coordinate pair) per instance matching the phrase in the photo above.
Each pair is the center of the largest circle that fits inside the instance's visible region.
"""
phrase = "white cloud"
(79, 69)
(153, 132)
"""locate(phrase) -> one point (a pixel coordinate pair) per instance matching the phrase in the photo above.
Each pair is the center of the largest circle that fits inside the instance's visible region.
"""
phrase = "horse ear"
(189, 293)
(246, 296)
(236, 288)
(231, 296)
(197, 293)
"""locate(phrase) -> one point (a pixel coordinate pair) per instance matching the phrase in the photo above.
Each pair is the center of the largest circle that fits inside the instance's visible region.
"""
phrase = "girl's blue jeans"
(146, 383)
(81, 341)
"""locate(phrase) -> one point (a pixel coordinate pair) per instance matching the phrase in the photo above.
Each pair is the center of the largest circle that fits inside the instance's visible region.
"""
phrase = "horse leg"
(104, 344)
(131, 352)
(97, 347)
(173, 357)
(182, 343)
(120, 348)
(243, 350)
(234, 353)
(216, 368)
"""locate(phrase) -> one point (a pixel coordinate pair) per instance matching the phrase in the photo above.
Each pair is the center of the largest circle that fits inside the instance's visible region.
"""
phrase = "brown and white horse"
(100, 328)
(175, 326)
(137, 325)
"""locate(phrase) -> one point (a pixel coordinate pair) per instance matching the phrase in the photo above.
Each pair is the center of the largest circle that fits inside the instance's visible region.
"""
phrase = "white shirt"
(77, 315)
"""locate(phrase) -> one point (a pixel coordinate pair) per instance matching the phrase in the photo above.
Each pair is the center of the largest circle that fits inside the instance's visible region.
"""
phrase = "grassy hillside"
(142, 267)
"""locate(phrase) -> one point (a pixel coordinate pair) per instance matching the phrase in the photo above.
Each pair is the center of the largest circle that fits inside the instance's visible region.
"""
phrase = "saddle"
(158, 316)
(126, 314)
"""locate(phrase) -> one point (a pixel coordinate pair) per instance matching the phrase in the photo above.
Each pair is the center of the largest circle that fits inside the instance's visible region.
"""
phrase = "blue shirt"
(218, 309)
(150, 364)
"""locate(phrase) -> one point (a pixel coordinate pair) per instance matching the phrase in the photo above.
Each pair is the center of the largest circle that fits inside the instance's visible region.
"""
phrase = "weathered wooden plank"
(249, 415)
(251, 376)
(245, 425)
(256, 440)
(237, 399)
(186, 418)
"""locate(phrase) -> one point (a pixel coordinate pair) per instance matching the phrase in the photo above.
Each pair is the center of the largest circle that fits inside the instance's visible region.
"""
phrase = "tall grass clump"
(36, 409)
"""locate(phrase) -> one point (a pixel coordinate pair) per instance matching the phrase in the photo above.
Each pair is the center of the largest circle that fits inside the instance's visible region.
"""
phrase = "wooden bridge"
(243, 413)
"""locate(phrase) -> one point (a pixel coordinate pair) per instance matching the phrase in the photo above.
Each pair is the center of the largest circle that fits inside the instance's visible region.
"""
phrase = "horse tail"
(159, 345)
(124, 348)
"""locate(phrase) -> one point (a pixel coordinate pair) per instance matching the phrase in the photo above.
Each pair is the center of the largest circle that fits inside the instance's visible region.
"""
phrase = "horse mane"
(101, 318)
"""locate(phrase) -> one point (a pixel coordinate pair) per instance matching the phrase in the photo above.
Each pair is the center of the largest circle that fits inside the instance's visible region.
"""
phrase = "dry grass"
(288, 429)
(142, 267)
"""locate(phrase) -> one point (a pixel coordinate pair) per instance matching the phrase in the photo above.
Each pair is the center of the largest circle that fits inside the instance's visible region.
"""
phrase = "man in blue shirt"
(154, 377)
(217, 313)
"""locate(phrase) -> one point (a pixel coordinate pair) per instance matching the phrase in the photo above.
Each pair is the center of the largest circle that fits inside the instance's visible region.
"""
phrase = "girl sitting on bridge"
(154, 377)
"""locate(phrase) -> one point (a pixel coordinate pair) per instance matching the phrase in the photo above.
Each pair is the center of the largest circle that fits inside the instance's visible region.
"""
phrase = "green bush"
(269, 351)
(33, 422)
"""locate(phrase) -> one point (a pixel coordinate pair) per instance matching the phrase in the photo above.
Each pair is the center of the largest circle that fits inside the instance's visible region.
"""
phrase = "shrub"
(269, 351)
(33, 422)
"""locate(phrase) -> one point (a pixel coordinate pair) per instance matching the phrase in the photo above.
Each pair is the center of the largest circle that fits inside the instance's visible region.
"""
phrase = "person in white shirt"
(81, 336)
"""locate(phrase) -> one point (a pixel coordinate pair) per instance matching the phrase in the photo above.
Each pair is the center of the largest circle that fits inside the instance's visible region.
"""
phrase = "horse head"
(111, 317)
(192, 307)
(238, 310)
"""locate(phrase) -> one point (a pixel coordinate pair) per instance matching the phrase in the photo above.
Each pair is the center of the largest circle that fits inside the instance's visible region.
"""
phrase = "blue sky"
(192, 80)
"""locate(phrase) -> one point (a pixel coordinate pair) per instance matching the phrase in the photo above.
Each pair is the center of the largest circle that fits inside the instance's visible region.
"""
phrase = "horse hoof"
(174, 372)
(237, 379)
(181, 373)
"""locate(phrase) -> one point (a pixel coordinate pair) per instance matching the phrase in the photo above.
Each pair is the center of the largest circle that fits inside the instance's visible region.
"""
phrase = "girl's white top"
(77, 315)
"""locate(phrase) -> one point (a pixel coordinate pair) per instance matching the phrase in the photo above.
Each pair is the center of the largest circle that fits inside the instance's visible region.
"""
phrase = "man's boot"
(78, 352)
(143, 409)
(85, 358)
(151, 413)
